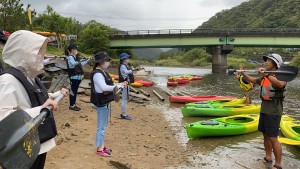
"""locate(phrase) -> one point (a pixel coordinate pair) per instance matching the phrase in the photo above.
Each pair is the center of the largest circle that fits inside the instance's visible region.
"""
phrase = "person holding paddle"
(125, 74)
(102, 94)
(21, 89)
(271, 94)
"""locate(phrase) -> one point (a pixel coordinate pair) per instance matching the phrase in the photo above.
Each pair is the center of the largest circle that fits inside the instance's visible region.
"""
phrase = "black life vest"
(130, 76)
(101, 99)
(77, 70)
(38, 95)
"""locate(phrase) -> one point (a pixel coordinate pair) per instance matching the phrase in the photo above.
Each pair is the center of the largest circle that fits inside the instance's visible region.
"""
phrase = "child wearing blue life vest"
(247, 87)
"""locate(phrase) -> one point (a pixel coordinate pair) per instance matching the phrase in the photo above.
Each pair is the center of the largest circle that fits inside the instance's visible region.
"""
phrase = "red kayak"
(172, 83)
(197, 78)
(188, 99)
(145, 83)
(182, 80)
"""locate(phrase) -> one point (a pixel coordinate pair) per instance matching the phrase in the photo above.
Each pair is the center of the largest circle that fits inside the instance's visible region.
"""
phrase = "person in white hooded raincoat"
(25, 51)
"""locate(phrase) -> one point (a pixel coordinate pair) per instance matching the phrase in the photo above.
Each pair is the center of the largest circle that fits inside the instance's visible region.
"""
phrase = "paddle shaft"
(284, 73)
(255, 71)
(38, 119)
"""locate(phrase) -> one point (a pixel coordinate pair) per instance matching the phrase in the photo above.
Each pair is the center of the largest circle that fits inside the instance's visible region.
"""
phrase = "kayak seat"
(209, 122)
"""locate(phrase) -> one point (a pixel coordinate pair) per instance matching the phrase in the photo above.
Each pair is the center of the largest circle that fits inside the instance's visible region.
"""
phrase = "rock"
(85, 83)
(85, 100)
(72, 134)
(67, 125)
(146, 146)
(58, 142)
(81, 90)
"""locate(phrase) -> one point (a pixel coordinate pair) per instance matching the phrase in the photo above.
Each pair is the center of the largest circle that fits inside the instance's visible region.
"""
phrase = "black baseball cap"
(101, 56)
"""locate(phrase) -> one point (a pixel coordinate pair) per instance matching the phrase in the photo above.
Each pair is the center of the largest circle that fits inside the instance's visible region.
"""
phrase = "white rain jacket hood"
(25, 51)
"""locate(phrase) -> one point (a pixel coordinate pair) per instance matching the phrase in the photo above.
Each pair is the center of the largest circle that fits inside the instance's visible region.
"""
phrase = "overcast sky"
(138, 14)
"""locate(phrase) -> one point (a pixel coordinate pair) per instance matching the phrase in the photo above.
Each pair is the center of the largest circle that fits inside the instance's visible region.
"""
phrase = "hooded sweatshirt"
(24, 51)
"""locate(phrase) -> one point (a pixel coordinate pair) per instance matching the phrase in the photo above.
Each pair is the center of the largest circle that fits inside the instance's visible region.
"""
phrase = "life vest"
(77, 70)
(130, 76)
(38, 95)
(267, 92)
(246, 86)
(101, 99)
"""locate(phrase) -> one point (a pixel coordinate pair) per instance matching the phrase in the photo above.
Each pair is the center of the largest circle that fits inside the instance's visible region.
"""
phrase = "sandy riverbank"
(145, 142)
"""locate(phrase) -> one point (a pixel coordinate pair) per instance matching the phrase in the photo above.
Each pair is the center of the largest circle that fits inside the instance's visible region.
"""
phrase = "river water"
(223, 152)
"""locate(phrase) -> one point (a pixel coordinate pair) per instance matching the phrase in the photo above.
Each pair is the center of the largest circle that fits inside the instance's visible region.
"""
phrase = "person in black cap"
(3, 38)
(102, 87)
(75, 73)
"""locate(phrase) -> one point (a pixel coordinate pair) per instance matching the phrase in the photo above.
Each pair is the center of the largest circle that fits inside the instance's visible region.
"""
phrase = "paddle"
(19, 143)
(289, 141)
(284, 73)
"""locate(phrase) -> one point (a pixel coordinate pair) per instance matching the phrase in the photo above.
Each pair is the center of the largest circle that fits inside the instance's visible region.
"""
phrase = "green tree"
(94, 37)
(53, 22)
(12, 15)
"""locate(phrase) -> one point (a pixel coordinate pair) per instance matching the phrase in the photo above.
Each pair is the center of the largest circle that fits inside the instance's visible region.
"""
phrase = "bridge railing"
(226, 31)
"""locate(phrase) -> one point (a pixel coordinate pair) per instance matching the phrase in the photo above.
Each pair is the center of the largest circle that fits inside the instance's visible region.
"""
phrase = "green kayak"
(219, 109)
(215, 102)
(224, 126)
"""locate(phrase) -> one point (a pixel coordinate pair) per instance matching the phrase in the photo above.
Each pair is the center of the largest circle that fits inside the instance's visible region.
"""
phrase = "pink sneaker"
(102, 153)
(107, 150)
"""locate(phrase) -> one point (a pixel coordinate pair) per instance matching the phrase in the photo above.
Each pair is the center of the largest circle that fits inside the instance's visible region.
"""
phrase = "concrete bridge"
(218, 41)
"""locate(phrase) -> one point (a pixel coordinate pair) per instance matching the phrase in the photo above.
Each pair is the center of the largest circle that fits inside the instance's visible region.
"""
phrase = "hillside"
(258, 14)
(147, 53)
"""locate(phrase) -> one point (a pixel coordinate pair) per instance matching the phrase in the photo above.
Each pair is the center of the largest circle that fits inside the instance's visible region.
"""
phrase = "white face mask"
(105, 65)
(75, 52)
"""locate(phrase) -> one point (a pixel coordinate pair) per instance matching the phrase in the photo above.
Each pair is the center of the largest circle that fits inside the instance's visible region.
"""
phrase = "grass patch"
(236, 62)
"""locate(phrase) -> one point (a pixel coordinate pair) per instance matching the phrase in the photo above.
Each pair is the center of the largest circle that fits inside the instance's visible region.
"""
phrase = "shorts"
(269, 124)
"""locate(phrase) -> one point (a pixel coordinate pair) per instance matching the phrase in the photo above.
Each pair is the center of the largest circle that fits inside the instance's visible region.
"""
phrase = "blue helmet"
(124, 56)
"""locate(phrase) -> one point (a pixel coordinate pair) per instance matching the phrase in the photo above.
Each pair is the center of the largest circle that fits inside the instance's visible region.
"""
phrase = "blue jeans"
(103, 113)
(74, 87)
(124, 99)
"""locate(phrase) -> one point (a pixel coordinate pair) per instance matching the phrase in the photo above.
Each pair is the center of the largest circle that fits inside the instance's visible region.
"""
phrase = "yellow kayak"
(136, 84)
(290, 127)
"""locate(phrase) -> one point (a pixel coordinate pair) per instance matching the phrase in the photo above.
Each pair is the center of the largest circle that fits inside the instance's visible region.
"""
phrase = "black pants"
(74, 87)
(39, 162)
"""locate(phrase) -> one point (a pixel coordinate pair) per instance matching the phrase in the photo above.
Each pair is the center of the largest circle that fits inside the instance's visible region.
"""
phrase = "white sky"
(138, 14)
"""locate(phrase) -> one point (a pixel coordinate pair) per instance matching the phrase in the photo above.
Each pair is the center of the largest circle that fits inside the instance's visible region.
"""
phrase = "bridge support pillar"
(219, 57)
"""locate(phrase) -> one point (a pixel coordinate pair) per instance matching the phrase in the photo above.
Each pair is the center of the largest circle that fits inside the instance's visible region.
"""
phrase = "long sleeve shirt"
(72, 63)
(124, 71)
(100, 85)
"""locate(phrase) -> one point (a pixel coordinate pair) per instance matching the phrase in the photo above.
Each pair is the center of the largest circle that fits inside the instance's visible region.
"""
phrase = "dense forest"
(250, 14)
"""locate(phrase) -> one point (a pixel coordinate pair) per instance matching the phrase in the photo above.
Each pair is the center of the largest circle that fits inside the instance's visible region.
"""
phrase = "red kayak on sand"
(188, 99)
(145, 83)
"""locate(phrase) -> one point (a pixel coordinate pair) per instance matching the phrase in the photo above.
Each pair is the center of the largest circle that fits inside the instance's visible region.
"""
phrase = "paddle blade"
(288, 141)
(116, 92)
(287, 73)
(19, 143)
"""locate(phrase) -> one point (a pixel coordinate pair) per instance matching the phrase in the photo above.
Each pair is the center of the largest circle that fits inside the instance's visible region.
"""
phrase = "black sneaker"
(127, 117)
(75, 108)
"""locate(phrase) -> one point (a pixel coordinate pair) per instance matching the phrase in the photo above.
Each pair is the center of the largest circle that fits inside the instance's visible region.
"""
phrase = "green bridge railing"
(209, 31)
